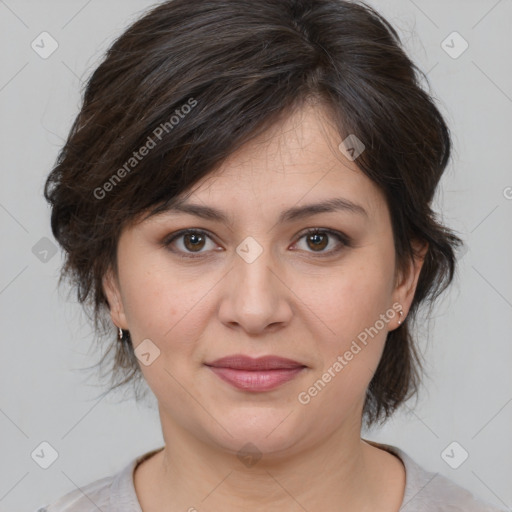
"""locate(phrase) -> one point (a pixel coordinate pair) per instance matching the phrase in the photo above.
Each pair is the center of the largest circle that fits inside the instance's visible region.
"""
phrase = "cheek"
(170, 312)
(157, 302)
(351, 307)
(352, 303)
(352, 298)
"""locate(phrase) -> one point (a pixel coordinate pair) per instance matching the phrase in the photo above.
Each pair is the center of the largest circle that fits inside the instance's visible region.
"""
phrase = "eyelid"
(340, 236)
(168, 240)
(343, 239)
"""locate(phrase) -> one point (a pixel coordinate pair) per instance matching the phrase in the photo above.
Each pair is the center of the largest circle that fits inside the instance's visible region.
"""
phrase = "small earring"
(400, 319)
(120, 334)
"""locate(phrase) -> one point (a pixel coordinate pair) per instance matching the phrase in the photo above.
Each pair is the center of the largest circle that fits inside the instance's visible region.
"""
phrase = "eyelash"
(343, 239)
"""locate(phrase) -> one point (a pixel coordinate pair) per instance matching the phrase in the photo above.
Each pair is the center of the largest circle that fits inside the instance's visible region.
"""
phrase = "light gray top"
(424, 491)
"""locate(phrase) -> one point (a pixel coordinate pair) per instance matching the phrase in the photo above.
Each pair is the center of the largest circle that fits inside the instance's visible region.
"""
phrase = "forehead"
(296, 161)
(292, 170)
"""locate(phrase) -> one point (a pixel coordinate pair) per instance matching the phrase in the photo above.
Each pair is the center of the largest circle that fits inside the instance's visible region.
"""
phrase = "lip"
(255, 374)
(243, 362)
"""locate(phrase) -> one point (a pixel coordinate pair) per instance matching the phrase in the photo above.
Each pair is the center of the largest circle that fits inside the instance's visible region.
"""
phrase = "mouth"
(256, 375)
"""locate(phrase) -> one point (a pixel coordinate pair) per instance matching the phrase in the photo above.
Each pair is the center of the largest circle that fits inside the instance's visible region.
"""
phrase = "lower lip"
(256, 380)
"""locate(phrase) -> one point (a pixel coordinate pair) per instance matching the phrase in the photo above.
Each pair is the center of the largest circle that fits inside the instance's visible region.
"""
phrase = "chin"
(254, 429)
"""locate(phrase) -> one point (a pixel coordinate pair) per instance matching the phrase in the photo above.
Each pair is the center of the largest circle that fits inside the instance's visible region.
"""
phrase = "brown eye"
(193, 241)
(318, 239)
(188, 242)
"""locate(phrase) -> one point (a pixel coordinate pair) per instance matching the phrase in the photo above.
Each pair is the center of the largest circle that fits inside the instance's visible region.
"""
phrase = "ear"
(407, 279)
(113, 294)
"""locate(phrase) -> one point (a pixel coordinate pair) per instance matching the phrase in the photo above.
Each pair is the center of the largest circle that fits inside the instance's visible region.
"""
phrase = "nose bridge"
(253, 265)
(255, 296)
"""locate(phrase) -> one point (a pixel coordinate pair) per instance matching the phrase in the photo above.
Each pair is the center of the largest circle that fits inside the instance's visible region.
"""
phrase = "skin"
(290, 301)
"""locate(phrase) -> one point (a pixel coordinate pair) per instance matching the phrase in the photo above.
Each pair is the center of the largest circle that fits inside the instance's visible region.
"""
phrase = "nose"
(255, 297)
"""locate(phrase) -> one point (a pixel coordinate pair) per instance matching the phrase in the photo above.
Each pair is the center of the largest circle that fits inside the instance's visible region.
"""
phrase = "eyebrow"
(292, 214)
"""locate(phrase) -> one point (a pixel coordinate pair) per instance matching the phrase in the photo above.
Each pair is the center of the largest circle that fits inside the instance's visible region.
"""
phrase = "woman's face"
(256, 284)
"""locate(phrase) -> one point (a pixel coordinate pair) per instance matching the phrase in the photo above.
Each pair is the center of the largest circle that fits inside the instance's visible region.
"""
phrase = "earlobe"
(113, 295)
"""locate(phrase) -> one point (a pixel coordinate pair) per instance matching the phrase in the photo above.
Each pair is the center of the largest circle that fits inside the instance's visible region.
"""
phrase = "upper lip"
(243, 362)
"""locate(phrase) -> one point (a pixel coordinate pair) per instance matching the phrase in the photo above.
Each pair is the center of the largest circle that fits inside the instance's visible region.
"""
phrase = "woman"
(246, 193)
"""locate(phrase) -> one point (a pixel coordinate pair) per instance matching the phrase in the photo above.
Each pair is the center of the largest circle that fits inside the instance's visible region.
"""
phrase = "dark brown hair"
(192, 81)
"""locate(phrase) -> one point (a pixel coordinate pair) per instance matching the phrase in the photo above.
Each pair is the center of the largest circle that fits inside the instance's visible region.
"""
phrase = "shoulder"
(114, 493)
(93, 496)
(426, 491)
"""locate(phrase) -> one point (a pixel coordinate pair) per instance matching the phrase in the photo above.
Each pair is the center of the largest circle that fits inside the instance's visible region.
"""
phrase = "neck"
(341, 470)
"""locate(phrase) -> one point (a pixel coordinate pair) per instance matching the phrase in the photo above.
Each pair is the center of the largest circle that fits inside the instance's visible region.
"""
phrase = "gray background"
(46, 339)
